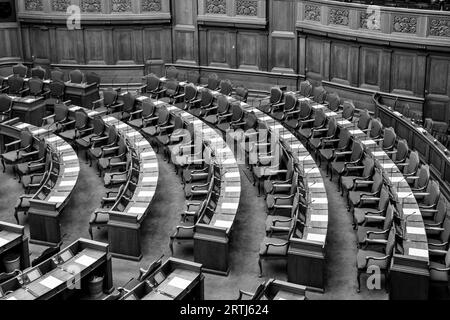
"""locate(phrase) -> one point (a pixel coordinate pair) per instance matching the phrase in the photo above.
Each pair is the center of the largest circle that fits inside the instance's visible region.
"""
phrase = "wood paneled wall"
(256, 42)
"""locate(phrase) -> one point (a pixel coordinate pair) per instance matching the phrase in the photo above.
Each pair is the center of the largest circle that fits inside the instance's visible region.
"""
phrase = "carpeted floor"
(246, 236)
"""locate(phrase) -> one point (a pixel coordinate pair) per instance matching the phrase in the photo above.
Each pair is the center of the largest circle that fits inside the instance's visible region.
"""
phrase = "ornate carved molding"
(121, 6)
(33, 5)
(338, 16)
(247, 7)
(312, 12)
(440, 28)
(216, 6)
(91, 5)
(151, 5)
(60, 5)
(405, 24)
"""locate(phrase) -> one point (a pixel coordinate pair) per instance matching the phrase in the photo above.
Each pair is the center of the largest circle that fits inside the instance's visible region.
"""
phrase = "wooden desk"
(29, 109)
(175, 280)
(82, 94)
(13, 240)
(63, 272)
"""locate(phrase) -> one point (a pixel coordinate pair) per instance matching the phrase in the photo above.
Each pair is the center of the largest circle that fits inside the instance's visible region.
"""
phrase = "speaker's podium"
(82, 94)
(29, 109)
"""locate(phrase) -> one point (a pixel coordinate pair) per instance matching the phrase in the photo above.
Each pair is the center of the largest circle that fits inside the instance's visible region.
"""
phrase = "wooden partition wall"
(354, 49)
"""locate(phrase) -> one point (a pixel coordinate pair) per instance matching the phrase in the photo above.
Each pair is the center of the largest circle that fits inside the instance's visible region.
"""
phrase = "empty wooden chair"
(38, 72)
(319, 95)
(333, 102)
(348, 110)
(364, 120)
(226, 87)
(297, 116)
(344, 160)
(199, 106)
(34, 166)
(365, 190)
(389, 139)
(331, 146)
(213, 82)
(189, 96)
(276, 97)
(307, 127)
(319, 135)
(81, 127)
(281, 110)
(152, 86)
(375, 227)
(108, 103)
(143, 116)
(305, 89)
(20, 70)
(356, 172)
(5, 107)
(18, 150)
(372, 210)
(101, 145)
(76, 76)
(241, 93)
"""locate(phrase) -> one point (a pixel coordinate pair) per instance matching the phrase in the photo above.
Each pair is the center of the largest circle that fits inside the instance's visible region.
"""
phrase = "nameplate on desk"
(319, 218)
(146, 194)
(51, 282)
(307, 158)
(368, 142)
(414, 230)
(133, 134)
(331, 114)
(55, 199)
(163, 79)
(92, 113)
(150, 179)
(411, 212)
(53, 139)
(318, 106)
(230, 175)
(397, 179)
(72, 170)
(70, 158)
(69, 183)
(183, 83)
(379, 154)
(148, 154)
(142, 98)
(151, 165)
(23, 125)
(304, 99)
(137, 210)
(159, 102)
(3, 242)
(122, 126)
(353, 132)
(389, 165)
(85, 260)
(170, 108)
(229, 205)
(313, 185)
(402, 195)
(265, 118)
(142, 143)
(277, 127)
(398, 114)
(179, 283)
(344, 122)
(39, 131)
(64, 147)
(298, 146)
(109, 119)
(233, 189)
(74, 108)
(223, 224)
(319, 200)
(12, 298)
(418, 252)
(29, 100)
(316, 237)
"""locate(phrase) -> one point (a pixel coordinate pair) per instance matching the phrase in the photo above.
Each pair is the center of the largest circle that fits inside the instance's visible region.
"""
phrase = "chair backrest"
(334, 102)
(226, 87)
(92, 77)
(207, 98)
(319, 94)
(384, 198)
(389, 218)
(213, 81)
(428, 124)
(320, 118)
(223, 104)
(414, 162)
(390, 244)
(38, 72)
(290, 101)
(42, 149)
(172, 73)
(369, 165)
(377, 181)
(173, 85)
(129, 102)
(344, 139)
(389, 138)
(251, 121)
(357, 151)
(434, 192)
(376, 129)
(305, 88)
(57, 75)
(237, 111)
(5, 103)
(445, 235)
(190, 92)
(276, 95)
(242, 93)
(441, 210)
(109, 97)
(148, 108)
(447, 259)
(76, 76)
(424, 177)
(348, 110)
(36, 86)
(57, 89)
(15, 84)
(364, 119)
(81, 119)
(193, 77)
(153, 82)
(20, 70)
(402, 150)
(122, 147)
(332, 127)
(305, 109)
(61, 112)
(112, 135)
(99, 125)
(47, 254)
(26, 138)
(164, 116)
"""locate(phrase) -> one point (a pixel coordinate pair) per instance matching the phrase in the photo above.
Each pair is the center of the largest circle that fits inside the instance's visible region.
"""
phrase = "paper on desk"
(85, 260)
(368, 142)
(151, 165)
(68, 183)
(388, 165)
(233, 189)
(230, 175)
(319, 200)
(319, 218)
(414, 230)
(378, 153)
(72, 169)
(410, 212)
(56, 199)
(179, 283)
(64, 147)
(23, 125)
(133, 134)
(315, 237)
(51, 282)
(137, 210)
(142, 98)
(150, 179)
(148, 154)
(418, 252)
(146, 194)
(70, 158)
(223, 224)
(12, 298)
(357, 131)
(229, 205)
(3, 242)
(53, 139)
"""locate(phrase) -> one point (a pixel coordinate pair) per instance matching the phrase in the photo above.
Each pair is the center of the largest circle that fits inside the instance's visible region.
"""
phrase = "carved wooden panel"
(185, 32)
(403, 72)
(340, 64)
(66, 46)
(185, 46)
(251, 50)
(10, 47)
(437, 102)
(314, 54)
(370, 67)
(156, 48)
(96, 46)
(219, 48)
(40, 44)
(124, 45)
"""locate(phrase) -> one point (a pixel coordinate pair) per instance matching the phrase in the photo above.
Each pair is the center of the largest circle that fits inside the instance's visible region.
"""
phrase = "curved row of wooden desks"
(430, 150)
(409, 267)
(47, 204)
(124, 226)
